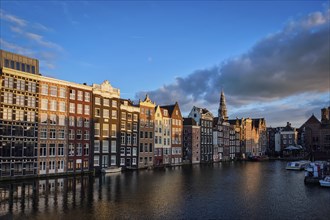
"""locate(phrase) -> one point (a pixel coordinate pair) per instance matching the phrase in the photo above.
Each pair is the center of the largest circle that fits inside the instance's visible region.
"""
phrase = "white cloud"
(12, 19)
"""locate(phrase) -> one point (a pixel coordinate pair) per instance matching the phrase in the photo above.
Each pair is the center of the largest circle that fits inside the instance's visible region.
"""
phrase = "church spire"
(222, 112)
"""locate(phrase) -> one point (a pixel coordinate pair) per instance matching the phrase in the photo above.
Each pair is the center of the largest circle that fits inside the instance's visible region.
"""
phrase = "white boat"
(297, 165)
(111, 170)
(325, 182)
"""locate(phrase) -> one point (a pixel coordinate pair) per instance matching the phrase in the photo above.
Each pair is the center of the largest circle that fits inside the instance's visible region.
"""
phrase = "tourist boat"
(297, 165)
(111, 170)
(325, 182)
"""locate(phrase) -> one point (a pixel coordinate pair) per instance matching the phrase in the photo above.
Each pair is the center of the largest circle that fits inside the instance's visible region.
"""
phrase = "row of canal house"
(212, 139)
(50, 126)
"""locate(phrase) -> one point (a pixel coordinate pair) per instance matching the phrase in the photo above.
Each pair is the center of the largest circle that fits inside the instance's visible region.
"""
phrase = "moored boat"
(325, 182)
(297, 165)
(111, 170)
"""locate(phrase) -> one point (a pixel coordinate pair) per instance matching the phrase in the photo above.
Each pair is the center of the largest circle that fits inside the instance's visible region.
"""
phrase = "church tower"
(222, 112)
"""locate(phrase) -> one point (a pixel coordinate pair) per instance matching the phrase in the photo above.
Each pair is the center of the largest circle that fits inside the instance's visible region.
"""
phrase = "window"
(105, 130)
(43, 118)
(134, 139)
(79, 109)
(19, 115)
(79, 149)
(113, 146)
(80, 96)
(23, 67)
(71, 149)
(97, 101)
(71, 121)
(129, 116)
(71, 134)
(97, 146)
(122, 151)
(30, 116)
(60, 149)
(123, 115)
(9, 82)
(52, 150)
(79, 135)
(43, 133)
(7, 114)
(87, 97)
(62, 106)
(20, 100)
(114, 114)
(96, 161)
(128, 151)
(72, 108)
(79, 122)
(53, 91)
(113, 160)
(106, 113)
(20, 84)
(28, 68)
(72, 94)
(134, 151)
(8, 98)
(86, 110)
(44, 104)
(129, 126)
(86, 149)
(61, 134)
(122, 138)
(12, 64)
(44, 89)
(33, 69)
(52, 119)
(113, 130)
(122, 125)
(141, 147)
(43, 150)
(86, 122)
(129, 139)
(150, 147)
(18, 65)
(97, 129)
(86, 135)
(150, 134)
(105, 146)
(31, 102)
(62, 92)
(106, 102)
(134, 126)
(6, 63)
(97, 112)
(135, 117)
(52, 133)
(53, 105)
(114, 103)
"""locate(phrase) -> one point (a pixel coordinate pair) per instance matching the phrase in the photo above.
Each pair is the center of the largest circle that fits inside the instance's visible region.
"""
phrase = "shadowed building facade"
(19, 92)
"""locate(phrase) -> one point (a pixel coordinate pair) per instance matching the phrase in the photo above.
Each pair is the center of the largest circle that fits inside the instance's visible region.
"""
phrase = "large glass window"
(8, 98)
(113, 146)
(105, 130)
(44, 89)
(44, 104)
(105, 146)
(97, 129)
(19, 115)
(72, 94)
(9, 82)
(53, 105)
(62, 92)
(87, 97)
(7, 114)
(53, 91)
(32, 101)
(20, 99)
(80, 95)
(20, 84)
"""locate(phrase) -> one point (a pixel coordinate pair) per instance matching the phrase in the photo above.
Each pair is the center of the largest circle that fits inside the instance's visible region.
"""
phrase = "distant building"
(191, 141)
(289, 136)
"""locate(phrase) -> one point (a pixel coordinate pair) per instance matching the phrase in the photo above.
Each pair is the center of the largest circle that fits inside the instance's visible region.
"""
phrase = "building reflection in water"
(117, 195)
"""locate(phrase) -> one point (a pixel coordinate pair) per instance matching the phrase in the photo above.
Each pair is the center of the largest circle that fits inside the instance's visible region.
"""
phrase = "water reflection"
(218, 191)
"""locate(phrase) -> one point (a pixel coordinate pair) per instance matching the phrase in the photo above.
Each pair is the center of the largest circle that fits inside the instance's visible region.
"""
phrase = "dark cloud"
(292, 61)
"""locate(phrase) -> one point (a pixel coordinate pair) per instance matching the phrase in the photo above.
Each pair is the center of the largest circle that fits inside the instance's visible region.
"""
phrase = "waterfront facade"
(176, 133)
(129, 118)
(53, 126)
(204, 119)
(79, 127)
(159, 141)
(19, 85)
(191, 141)
(106, 108)
(167, 135)
(146, 129)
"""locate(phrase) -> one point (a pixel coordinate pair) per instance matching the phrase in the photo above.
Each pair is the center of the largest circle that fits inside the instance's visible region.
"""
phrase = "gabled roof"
(203, 111)
(311, 120)
(169, 108)
(257, 121)
(288, 128)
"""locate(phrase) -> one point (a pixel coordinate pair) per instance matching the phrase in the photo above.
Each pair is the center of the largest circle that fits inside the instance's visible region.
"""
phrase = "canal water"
(233, 190)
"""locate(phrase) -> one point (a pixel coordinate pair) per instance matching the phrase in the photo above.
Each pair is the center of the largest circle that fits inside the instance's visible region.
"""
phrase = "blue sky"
(156, 47)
